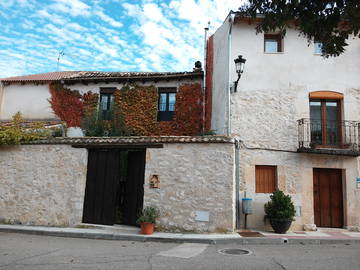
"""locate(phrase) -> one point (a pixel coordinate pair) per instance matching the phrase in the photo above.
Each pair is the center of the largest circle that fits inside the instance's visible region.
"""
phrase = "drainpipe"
(206, 29)
(237, 183)
(1, 97)
(231, 21)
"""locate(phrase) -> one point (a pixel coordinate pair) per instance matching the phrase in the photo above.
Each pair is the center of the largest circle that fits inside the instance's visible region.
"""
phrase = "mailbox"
(247, 206)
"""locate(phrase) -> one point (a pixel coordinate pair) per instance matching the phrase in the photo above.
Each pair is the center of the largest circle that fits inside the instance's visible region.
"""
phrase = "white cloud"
(108, 19)
(71, 7)
(54, 18)
(153, 12)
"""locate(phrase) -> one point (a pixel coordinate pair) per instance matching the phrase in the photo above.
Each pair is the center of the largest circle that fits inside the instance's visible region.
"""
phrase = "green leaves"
(329, 22)
(280, 206)
(148, 214)
(16, 132)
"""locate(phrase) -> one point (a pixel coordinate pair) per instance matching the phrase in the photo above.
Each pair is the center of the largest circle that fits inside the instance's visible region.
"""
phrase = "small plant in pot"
(147, 219)
(280, 211)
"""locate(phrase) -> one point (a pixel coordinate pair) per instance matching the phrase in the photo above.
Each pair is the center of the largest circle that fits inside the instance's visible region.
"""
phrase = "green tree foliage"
(94, 125)
(16, 132)
(280, 206)
(330, 22)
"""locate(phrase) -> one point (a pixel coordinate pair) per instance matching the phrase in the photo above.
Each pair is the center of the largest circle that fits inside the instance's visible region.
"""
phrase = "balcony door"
(325, 122)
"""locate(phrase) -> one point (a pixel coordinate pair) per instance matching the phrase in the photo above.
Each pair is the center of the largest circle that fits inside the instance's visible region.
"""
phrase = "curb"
(180, 240)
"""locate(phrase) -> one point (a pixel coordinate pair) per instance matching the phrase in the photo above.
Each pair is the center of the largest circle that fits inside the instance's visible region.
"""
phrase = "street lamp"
(239, 65)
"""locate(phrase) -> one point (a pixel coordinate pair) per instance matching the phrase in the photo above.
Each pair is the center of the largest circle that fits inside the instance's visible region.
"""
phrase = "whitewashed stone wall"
(42, 184)
(193, 177)
(295, 177)
(32, 99)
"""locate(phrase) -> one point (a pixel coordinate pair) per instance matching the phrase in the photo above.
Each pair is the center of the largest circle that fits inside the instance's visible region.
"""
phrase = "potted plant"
(280, 211)
(147, 219)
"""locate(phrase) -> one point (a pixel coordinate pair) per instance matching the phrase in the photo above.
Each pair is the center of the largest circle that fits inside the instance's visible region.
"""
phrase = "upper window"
(265, 181)
(272, 43)
(166, 105)
(325, 118)
(318, 47)
(106, 102)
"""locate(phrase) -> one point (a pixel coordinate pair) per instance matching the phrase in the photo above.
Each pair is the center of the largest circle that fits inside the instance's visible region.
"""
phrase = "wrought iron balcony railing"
(317, 134)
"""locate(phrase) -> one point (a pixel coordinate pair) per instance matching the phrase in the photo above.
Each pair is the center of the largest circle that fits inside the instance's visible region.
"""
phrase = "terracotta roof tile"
(48, 77)
(93, 75)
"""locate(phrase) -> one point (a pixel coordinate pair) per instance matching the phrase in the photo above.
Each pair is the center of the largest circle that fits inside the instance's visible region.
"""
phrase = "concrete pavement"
(34, 252)
(132, 234)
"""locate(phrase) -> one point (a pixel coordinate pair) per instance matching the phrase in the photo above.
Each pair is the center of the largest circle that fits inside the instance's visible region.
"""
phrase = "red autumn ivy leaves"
(69, 105)
(138, 106)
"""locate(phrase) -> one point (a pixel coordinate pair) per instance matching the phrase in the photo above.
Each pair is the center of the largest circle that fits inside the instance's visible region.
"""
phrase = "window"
(325, 121)
(106, 102)
(272, 43)
(265, 181)
(318, 47)
(166, 105)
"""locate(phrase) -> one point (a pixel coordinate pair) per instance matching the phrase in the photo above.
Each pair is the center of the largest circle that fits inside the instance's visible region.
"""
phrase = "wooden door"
(100, 193)
(328, 198)
(134, 187)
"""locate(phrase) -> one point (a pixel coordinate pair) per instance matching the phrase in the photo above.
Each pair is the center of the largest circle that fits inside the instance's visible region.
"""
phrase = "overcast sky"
(112, 35)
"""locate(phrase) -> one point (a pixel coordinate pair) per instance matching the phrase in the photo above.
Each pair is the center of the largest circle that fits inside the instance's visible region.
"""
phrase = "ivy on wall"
(69, 105)
(188, 112)
(137, 106)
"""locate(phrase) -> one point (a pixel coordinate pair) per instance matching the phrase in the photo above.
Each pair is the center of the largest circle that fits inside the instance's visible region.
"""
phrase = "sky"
(105, 35)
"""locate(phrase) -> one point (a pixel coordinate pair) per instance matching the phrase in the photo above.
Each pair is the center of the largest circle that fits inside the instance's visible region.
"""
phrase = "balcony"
(329, 137)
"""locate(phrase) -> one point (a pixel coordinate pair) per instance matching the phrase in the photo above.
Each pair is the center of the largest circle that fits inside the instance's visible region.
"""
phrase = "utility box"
(247, 208)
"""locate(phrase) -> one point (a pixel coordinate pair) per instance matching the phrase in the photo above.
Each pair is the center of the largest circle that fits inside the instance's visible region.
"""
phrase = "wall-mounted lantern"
(239, 65)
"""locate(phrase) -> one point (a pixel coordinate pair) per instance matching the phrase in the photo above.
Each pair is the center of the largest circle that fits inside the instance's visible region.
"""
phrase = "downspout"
(231, 21)
(1, 97)
(237, 182)
(228, 132)
(206, 29)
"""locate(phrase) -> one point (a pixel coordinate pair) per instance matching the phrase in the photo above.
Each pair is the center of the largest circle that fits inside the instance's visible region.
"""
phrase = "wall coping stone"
(133, 140)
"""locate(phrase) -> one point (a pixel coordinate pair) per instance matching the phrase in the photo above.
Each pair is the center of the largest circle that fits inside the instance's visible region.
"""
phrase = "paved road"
(20, 251)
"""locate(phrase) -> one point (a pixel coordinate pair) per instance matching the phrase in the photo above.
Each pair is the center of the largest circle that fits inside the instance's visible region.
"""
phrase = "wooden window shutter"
(265, 179)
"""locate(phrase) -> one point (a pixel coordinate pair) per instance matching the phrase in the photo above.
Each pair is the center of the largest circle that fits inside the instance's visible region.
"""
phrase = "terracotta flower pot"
(147, 228)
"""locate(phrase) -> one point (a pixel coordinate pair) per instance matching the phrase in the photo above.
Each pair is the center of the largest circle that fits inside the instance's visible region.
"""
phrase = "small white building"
(30, 94)
(296, 117)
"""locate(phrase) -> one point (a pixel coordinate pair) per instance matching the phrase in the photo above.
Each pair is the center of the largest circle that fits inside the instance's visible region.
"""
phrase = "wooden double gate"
(114, 186)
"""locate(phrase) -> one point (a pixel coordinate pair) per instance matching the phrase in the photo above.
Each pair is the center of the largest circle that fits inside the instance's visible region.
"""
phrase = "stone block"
(310, 227)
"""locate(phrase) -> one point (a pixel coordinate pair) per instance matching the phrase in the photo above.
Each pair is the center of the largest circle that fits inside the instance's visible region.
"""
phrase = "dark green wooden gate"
(103, 176)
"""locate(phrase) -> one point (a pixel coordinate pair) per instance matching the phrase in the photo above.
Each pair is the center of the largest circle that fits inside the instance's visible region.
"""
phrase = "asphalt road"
(21, 251)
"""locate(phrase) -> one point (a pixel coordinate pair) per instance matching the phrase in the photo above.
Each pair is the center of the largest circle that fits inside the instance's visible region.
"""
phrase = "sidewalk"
(132, 234)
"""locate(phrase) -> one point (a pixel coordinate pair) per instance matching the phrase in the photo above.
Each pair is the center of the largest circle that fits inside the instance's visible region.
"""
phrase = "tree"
(330, 22)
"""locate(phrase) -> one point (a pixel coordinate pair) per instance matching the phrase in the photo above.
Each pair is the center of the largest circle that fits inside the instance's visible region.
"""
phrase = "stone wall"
(295, 177)
(45, 185)
(193, 177)
(42, 184)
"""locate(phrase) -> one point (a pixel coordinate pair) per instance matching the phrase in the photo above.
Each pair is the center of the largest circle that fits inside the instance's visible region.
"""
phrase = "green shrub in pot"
(280, 211)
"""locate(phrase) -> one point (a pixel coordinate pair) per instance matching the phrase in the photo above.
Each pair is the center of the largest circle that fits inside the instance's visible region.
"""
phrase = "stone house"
(292, 124)
(295, 116)
(31, 94)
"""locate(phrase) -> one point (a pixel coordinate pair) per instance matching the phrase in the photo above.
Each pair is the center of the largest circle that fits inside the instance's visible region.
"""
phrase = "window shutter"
(265, 179)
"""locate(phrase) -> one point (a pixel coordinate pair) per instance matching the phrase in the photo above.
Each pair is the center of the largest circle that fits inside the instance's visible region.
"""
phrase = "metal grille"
(313, 133)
